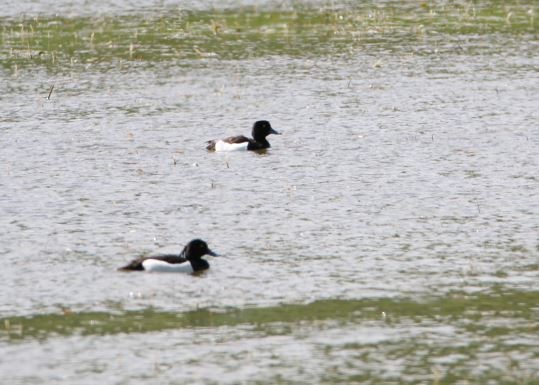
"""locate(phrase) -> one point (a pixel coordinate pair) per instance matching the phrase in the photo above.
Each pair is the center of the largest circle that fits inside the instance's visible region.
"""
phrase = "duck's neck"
(199, 264)
(262, 141)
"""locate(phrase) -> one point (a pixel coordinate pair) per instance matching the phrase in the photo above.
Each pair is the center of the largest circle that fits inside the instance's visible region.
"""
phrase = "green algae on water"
(59, 43)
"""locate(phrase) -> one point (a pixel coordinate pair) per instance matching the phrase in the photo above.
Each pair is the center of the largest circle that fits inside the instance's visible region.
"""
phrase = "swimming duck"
(188, 261)
(261, 129)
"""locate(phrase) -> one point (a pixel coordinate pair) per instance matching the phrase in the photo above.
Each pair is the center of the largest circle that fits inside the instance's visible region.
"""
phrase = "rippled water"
(390, 234)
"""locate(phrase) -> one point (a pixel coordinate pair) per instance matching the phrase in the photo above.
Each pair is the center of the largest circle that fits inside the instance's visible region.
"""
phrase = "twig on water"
(50, 92)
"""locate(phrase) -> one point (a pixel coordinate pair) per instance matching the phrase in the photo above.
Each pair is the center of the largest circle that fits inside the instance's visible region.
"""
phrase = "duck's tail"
(211, 145)
(134, 265)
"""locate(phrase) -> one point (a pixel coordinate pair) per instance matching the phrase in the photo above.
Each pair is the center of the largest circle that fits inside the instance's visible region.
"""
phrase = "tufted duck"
(188, 261)
(261, 129)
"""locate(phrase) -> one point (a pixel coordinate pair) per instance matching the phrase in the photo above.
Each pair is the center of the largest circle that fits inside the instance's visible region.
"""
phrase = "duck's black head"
(261, 129)
(196, 249)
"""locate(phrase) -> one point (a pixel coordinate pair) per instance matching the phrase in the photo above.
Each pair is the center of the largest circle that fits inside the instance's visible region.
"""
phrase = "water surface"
(390, 234)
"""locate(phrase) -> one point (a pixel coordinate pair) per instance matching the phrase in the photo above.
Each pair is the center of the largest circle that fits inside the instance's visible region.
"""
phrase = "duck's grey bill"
(275, 132)
(213, 254)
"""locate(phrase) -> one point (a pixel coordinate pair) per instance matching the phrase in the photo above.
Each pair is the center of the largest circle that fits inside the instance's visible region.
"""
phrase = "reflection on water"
(454, 308)
(327, 341)
(406, 174)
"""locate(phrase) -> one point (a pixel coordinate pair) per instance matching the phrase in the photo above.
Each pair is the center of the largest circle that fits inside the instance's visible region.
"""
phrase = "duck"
(188, 261)
(261, 129)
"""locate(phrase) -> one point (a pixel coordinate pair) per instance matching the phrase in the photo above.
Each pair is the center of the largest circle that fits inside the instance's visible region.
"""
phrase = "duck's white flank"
(165, 267)
(224, 146)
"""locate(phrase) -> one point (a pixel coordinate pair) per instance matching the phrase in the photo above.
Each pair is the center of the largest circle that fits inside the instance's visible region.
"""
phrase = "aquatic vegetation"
(60, 43)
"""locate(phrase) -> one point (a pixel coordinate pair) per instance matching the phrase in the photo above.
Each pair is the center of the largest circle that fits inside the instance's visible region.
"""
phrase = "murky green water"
(389, 236)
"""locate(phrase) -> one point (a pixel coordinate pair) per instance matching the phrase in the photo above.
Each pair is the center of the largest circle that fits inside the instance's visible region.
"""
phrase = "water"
(390, 234)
